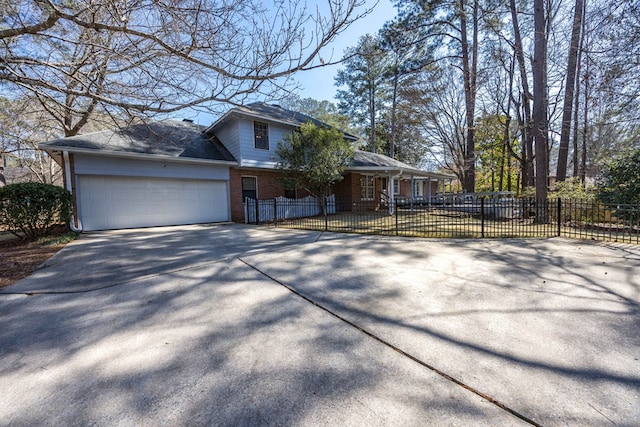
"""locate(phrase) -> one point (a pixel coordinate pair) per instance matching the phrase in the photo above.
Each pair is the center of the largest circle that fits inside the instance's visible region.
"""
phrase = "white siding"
(98, 165)
(249, 155)
(229, 135)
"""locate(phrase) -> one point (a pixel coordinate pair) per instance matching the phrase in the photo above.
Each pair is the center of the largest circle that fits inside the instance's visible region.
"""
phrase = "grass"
(444, 224)
(60, 239)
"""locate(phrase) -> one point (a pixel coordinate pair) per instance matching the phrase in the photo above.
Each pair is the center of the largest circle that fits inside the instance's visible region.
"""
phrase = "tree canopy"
(146, 57)
(619, 182)
(314, 158)
(562, 77)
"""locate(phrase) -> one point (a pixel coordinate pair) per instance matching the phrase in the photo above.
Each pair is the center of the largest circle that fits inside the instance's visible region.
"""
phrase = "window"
(366, 187)
(249, 187)
(418, 189)
(261, 135)
(290, 193)
(396, 186)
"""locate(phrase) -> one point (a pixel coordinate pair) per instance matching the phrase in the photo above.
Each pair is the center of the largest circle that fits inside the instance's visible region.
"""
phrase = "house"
(172, 172)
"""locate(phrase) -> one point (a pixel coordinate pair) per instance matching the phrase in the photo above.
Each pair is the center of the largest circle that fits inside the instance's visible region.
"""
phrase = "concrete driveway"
(236, 325)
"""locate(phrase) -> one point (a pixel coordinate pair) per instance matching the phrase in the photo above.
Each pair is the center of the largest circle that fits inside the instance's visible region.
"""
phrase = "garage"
(114, 202)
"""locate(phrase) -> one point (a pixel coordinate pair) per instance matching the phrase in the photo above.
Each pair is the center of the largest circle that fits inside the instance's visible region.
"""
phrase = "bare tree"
(540, 102)
(453, 27)
(570, 85)
(441, 108)
(527, 125)
(146, 57)
(22, 126)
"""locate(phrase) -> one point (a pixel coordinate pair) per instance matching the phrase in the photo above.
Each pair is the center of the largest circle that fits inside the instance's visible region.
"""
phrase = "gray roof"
(164, 138)
(367, 159)
(276, 113)
(364, 160)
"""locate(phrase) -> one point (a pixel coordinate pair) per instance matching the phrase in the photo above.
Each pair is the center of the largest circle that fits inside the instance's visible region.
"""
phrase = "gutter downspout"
(67, 176)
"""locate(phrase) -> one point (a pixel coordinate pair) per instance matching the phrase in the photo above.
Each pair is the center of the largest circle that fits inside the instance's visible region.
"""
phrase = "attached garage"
(145, 175)
(114, 202)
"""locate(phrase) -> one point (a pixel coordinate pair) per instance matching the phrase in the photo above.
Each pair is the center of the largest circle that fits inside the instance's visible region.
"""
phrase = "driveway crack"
(397, 349)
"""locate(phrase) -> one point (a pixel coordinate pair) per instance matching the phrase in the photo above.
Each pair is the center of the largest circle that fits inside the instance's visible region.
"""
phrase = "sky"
(319, 83)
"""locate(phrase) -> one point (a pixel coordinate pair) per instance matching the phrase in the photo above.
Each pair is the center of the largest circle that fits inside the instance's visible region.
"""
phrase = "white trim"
(159, 157)
(67, 175)
(418, 188)
(246, 114)
(241, 112)
(389, 170)
(268, 136)
(373, 186)
(258, 164)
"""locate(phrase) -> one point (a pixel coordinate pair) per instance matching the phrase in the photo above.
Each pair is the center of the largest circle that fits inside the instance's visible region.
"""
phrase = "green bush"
(572, 188)
(33, 208)
(619, 182)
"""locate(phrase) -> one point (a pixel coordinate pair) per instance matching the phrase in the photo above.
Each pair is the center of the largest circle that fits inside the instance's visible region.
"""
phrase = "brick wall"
(268, 188)
(347, 191)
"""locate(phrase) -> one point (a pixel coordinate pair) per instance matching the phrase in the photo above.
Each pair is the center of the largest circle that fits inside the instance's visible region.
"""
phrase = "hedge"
(30, 209)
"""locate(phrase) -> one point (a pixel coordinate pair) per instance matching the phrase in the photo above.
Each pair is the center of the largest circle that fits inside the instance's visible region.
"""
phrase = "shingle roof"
(367, 159)
(165, 138)
(276, 113)
(364, 160)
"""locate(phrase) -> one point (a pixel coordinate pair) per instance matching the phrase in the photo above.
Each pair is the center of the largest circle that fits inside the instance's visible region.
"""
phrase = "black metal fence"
(483, 218)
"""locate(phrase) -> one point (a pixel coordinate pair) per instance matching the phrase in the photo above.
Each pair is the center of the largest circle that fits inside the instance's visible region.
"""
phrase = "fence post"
(326, 214)
(482, 217)
(275, 212)
(257, 212)
(395, 210)
(559, 215)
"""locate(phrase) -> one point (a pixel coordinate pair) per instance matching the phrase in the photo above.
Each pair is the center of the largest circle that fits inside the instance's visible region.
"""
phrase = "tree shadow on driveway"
(209, 341)
(548, 327)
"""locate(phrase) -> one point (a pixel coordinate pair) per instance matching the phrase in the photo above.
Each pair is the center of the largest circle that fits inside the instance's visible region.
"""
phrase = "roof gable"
(271, 112)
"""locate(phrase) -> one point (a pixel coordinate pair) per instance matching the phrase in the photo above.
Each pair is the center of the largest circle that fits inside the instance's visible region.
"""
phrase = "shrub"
(619, 182)
(572, 188)
(33, 208)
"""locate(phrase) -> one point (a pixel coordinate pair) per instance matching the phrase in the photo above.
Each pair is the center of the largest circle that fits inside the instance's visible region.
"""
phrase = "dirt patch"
(18, 259)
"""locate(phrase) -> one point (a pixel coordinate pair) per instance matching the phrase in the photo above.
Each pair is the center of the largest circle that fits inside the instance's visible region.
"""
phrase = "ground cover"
(19, 258)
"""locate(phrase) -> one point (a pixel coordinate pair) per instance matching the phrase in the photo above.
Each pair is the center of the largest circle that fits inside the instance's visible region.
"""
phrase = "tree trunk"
(540, 122)
(394, 104)
(576, 110)
(585, 129)
(372, 119)
(469, 72)
(563, 150)
(527, 140)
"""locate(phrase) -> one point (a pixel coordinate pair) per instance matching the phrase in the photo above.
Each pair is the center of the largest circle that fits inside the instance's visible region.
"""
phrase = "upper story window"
(261, 135)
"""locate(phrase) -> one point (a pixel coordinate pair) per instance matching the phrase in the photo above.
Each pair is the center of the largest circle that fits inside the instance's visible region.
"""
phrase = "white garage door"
(112, 202)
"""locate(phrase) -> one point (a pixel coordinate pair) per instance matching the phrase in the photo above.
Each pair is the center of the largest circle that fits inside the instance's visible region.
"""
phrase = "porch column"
(412, 192)
(391, 195)
(429, 191)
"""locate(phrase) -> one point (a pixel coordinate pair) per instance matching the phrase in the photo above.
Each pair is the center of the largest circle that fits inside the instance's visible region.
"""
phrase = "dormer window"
(261, 135)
